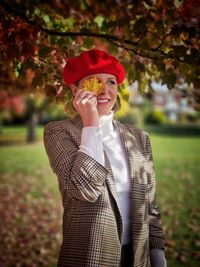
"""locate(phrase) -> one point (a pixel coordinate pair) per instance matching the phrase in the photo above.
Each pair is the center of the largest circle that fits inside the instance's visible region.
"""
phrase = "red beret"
(92, 62)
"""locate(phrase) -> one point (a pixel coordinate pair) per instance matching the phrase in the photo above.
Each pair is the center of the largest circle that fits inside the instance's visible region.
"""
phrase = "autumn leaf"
(93, 85)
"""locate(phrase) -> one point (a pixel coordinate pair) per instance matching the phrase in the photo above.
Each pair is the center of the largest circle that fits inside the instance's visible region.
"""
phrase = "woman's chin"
(103, 112)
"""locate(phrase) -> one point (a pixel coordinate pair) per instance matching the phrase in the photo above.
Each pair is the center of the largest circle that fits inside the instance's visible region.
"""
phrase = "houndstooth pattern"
(92, 221)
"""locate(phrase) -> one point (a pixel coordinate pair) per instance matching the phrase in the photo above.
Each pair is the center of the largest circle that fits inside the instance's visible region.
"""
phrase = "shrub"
(155, 117)
(133, 116)
(192, 117)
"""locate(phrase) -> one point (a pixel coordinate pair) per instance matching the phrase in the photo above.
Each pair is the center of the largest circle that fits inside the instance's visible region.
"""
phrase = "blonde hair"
(117, 104)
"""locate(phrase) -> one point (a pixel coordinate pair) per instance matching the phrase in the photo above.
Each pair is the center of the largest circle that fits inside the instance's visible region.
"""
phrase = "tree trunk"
(1, 124)
(31, 127)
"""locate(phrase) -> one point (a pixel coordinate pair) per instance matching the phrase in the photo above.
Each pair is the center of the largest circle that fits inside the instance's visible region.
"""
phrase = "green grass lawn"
(177, 165)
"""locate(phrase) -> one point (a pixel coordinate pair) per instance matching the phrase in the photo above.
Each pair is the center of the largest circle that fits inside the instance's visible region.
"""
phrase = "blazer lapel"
(110, 181)
(133, 153)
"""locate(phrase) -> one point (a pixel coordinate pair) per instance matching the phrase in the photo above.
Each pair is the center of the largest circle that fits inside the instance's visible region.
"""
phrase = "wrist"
(157, 258)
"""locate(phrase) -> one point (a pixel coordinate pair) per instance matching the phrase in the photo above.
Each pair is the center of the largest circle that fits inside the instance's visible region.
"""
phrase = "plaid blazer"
(92, 221)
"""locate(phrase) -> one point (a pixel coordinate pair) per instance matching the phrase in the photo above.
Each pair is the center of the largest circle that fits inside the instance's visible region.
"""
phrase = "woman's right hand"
(85, 103)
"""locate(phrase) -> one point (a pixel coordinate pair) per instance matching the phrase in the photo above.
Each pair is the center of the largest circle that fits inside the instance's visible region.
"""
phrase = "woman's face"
(107, 98)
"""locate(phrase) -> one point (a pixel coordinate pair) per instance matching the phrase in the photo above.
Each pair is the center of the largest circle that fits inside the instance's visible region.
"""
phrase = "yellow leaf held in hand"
(93, 85)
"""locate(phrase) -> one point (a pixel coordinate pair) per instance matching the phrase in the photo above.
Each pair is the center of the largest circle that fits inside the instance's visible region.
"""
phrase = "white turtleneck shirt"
(97, 139)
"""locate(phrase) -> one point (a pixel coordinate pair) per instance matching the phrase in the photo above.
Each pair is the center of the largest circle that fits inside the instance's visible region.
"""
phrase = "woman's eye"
(111, 82)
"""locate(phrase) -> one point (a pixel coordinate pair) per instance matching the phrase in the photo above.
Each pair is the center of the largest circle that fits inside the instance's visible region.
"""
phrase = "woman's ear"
(74, 89)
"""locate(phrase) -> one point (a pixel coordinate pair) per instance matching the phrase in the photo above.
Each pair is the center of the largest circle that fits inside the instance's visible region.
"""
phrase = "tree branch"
(161, 43)
(56, 33)
(132, 50)
(111, 38)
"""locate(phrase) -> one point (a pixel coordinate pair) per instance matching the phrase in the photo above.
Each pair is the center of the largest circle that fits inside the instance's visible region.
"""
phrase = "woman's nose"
(103, 90)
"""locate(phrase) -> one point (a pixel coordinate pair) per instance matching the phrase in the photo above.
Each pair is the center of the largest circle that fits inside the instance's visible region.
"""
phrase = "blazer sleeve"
(79, 175)
(155, 228)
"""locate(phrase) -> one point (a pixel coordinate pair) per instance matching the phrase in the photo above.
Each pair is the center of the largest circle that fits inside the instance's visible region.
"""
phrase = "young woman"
(106, 175)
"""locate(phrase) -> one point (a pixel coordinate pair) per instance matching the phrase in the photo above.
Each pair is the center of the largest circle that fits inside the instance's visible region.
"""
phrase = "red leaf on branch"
(28, 50)
(119, 32)
(17, 104)
(99, 44)
(23, 34)
(30, 75)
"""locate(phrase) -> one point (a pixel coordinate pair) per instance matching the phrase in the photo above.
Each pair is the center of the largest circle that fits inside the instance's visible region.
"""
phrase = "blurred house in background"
(173, 103)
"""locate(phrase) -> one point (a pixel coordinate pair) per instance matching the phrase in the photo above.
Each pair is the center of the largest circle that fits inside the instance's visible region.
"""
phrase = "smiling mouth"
(103, 101)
